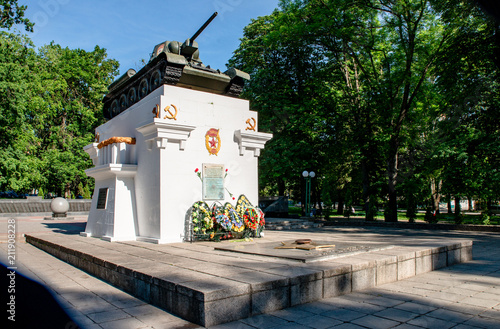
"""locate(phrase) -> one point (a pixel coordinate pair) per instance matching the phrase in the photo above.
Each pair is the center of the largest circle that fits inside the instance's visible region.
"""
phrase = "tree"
(403, 89)
(11, 13)
(72, 85)
(282, 77)
(468, 73)
(49, 109)
(361, 64)
(19, 168)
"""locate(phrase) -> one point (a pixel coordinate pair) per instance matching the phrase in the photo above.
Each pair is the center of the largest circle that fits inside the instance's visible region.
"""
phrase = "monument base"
(58, 218)
(107, 238)
(152, 240)
(318, 251)
(210, 287)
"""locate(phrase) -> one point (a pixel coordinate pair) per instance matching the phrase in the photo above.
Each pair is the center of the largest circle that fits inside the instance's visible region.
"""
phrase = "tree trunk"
(67, 192)
(340, 207)
(435, 196)
(366, 191)
(391, 214)
(281, 187)
(457, 206)
(449, 204)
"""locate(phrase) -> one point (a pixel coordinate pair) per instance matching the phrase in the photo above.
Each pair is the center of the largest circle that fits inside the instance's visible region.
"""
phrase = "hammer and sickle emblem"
(171, 115)
(251, 124)
(156, 111)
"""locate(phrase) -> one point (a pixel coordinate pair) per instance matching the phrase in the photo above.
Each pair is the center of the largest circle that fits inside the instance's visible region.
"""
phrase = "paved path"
(462, 296)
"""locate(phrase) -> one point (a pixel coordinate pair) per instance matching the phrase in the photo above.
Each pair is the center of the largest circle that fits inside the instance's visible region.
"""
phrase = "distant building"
(464, 205)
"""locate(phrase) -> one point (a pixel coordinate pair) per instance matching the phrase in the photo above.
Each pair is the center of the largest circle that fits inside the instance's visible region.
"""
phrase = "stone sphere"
(59, 206)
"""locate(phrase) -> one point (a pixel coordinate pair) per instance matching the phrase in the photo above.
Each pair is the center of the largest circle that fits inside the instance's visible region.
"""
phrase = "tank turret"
(172, 63)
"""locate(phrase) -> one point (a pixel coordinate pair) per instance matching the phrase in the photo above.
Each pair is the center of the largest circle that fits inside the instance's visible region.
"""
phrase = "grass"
(294, 210)
(442, 218)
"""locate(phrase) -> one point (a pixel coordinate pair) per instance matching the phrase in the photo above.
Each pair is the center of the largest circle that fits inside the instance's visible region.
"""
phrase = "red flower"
(226, 170)
(234, 198)
(196, 170)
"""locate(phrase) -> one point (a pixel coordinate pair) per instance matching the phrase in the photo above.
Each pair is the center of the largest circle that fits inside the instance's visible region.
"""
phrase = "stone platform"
(208, 286)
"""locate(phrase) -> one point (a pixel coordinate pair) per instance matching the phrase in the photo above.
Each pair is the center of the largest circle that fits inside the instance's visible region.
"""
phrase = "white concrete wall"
(167, 152)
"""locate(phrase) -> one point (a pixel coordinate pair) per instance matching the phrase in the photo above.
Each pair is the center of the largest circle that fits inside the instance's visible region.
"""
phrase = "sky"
(129, 29)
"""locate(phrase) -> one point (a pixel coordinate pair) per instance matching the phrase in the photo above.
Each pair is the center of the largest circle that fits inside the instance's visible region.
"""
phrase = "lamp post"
(308, 176)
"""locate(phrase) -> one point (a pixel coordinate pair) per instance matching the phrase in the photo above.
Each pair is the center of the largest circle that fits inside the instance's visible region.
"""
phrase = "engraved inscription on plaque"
(213, 182)
(102, 198)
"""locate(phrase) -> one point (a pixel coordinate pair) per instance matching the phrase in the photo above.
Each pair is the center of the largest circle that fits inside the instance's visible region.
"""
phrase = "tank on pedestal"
(172, 117)
(172, 63)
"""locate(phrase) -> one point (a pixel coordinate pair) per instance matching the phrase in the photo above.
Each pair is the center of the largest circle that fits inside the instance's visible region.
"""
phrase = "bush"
(327, 211)
(485, 218)
(430, 216)
(459, 218)
(86, 192)
(411, 213)
(372, 211)
(348, 211)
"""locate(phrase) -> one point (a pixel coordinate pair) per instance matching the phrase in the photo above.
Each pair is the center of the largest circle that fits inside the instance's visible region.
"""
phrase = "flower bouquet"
(203, 223)
(254, 221)
(224, 222)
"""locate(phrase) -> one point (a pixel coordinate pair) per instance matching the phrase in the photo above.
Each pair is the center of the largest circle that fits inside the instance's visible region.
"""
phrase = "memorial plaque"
(102, 197)
(213, 182)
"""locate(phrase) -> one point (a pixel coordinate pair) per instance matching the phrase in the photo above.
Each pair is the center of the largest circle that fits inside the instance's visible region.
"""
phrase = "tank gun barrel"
(204, 26)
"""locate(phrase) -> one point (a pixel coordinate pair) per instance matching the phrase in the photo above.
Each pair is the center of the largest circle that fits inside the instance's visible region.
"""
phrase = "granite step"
(210, 287)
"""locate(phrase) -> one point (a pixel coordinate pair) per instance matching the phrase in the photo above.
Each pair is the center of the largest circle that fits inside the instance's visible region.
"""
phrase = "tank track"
(235, 89)
(147, 80)
(172, 75)
(139, 86)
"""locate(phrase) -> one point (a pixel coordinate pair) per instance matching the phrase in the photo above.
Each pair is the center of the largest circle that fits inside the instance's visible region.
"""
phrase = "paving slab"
(212, 283)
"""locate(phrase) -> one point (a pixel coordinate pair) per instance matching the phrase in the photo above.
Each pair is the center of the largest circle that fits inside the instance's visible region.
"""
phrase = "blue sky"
(130, 29)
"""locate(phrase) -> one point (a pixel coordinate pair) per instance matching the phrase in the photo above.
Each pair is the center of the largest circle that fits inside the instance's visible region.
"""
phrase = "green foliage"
(50, 104)
(11, 13)
(41, 193)
(485, 218)
(379, 98)
(84, 191)
(411, 212)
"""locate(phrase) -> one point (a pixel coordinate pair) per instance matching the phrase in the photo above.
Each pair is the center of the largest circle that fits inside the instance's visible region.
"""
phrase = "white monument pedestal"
(145, 179)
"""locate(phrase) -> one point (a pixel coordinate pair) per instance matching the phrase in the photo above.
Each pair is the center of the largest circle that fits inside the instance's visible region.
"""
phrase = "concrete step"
(210, 287)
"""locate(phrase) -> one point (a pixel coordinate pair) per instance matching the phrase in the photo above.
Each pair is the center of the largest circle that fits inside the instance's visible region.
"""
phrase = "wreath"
(237, 223)
(252, 218)
(221, 217)
(216, 222)
(202, 219)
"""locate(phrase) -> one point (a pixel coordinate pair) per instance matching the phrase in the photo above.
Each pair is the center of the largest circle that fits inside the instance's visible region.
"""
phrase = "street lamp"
(308, 176)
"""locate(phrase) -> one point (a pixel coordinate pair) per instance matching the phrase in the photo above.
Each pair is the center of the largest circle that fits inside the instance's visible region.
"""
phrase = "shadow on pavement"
(66, 228)
(30, 305)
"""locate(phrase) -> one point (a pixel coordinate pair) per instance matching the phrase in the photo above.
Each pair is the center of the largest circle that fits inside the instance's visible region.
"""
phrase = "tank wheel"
(143, 88)
(155, 80)
(132, 96)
